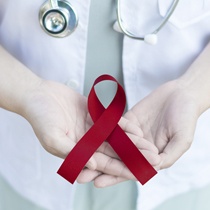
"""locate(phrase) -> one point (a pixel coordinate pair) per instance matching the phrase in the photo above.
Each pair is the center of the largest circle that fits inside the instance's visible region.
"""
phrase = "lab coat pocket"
(187, 12)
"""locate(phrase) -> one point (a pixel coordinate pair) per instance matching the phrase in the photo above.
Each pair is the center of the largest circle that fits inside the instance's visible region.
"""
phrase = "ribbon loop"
(106, 128)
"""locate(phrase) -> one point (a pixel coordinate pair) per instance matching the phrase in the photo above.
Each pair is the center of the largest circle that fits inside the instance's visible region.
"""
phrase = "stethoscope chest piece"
(58, 18)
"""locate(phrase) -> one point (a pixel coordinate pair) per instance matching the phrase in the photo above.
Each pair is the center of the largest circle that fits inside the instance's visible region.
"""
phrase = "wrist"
(196, 79)
(25, 93)
(16, 82)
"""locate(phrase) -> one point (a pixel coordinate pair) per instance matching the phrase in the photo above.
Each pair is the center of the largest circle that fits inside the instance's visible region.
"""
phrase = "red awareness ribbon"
(106, 128)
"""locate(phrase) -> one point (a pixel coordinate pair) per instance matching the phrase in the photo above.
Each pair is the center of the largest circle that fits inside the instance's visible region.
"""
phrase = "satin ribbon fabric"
(106, 128)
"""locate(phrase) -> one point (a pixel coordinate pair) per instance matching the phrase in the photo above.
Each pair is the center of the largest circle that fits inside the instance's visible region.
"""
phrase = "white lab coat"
(25, 164)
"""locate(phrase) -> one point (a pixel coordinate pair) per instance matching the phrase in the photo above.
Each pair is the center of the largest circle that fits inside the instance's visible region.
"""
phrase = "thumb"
(176, 147)
(61, 145)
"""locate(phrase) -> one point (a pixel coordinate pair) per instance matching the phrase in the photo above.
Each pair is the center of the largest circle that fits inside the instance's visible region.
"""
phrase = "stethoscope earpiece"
(58, 18)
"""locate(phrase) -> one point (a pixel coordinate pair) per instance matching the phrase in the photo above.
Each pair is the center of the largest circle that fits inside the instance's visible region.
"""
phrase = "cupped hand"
(59, 117)
(110, 170)
(167, 118)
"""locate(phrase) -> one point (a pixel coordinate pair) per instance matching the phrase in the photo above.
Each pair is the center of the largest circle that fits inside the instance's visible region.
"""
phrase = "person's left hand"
(167, 118)
(59, 117)
(110, 169)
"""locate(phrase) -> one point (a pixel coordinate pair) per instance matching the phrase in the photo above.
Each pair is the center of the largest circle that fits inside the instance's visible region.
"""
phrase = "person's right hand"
(110, 170)
(59, 117)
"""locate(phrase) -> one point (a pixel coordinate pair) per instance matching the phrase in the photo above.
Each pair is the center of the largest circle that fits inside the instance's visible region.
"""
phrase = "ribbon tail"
(131, 156)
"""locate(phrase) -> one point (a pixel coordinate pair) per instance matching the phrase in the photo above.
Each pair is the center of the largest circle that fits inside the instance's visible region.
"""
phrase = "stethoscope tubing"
(132, 35)
(62, 7)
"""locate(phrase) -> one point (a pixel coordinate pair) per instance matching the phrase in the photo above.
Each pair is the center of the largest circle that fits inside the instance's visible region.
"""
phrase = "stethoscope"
(59, 19)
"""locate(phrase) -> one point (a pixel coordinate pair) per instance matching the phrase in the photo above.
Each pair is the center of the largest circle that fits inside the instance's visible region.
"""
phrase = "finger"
(87, 175)
(143, 144)
(130, 127)
(148, 149)
(61, 145)
(58, 144)
(153, 158)
(115, 167)
(91, 164)
(176, 147)
(106, 149)
(140, 143)
(112, 166)
(105, 180)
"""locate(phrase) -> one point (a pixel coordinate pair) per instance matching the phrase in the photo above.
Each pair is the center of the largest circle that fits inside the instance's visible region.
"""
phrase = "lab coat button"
(72, 83)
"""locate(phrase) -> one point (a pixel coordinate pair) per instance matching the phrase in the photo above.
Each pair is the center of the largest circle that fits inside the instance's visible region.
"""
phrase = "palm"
(58, 116)
(167, 118)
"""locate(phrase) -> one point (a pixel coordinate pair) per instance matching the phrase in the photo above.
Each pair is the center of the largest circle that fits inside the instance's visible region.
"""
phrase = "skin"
(168, 116)
(59, 117)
